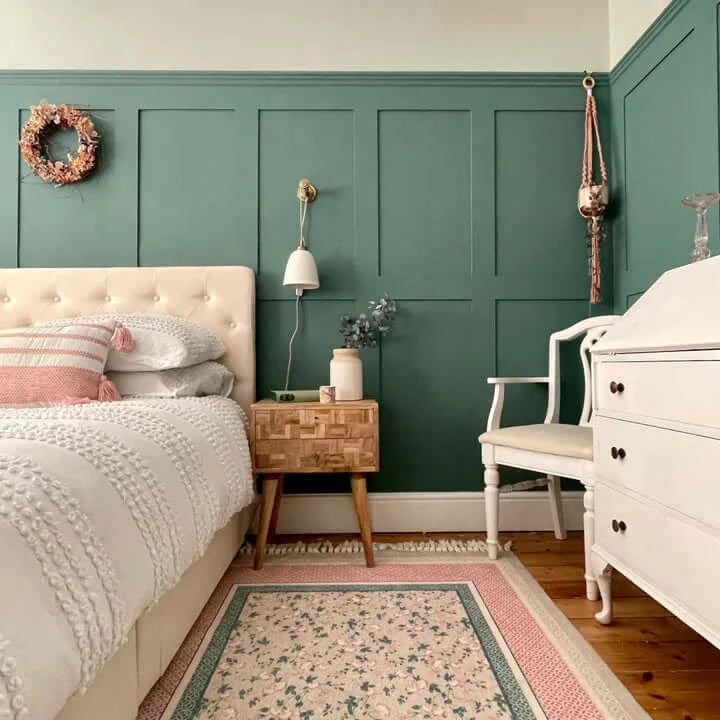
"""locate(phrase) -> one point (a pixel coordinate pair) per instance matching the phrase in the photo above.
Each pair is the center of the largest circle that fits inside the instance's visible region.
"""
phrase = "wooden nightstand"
(340, 437)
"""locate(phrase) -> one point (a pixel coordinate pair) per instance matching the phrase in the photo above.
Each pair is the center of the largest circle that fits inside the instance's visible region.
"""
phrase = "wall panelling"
(664, 117)
(454, 193)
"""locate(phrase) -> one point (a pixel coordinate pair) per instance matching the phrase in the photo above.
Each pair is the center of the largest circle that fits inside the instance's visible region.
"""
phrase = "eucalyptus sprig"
(367, 328)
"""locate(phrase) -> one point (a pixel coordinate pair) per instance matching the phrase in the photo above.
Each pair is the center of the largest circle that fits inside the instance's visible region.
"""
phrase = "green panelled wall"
(454, 193)
(664, 109)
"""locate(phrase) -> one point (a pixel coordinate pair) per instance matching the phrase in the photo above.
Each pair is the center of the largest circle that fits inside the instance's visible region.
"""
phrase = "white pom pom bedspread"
(103, 506)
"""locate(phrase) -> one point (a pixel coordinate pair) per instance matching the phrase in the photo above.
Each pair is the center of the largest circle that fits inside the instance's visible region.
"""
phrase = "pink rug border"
(555, 685)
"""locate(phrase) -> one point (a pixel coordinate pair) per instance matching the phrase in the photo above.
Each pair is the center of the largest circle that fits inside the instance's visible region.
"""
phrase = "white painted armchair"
(553, 449)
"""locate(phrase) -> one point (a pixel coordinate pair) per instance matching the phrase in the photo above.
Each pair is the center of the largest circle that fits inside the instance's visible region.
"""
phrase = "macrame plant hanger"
(593, 197)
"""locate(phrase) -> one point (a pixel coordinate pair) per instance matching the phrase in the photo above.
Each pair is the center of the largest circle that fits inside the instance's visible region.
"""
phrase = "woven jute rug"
(428, 633)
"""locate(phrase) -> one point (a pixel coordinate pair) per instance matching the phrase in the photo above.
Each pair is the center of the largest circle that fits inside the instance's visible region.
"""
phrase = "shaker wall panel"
(661, 166)
(318, 145)
(664, 112)
(454, 193)
(425, 195)
(430, 420)
(529, 320)
(83, 224)
(190, 176)
(539, 234)
(311, 349)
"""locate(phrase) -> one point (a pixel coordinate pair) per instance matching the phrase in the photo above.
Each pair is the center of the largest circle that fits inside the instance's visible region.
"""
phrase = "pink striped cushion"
(56, 364)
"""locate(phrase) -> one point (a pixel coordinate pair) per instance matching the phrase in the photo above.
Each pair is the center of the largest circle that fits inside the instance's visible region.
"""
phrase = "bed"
(222, 299)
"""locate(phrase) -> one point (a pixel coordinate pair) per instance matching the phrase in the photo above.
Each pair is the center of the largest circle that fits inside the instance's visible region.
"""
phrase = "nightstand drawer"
(315, 423)
(315, 437)
(316, 455)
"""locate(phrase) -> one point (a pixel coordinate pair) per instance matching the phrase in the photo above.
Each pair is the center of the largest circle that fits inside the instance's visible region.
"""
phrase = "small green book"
(295, 395)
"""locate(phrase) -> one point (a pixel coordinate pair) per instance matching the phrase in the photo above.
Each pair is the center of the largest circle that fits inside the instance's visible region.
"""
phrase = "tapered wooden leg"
(359, 493)
(272, 530)
(269, 489)
(555, 495)
(492, 509)
(603, 574)
(591, 586)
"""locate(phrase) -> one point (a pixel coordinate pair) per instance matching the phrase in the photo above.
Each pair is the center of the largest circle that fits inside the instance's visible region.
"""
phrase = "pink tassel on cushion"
(107, 392)
(122, 339)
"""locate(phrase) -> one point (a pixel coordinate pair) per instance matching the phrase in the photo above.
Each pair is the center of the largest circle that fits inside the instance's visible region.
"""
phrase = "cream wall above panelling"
(628, 20)
(321, 35)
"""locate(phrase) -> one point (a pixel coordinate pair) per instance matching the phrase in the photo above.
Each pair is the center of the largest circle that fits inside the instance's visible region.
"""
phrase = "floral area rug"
(310, 638)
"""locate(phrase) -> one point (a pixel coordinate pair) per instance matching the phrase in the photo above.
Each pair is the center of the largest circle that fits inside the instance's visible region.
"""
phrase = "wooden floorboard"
(670, 670)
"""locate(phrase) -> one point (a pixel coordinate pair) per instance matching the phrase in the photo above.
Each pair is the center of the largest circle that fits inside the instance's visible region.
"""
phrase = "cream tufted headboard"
(220, 298)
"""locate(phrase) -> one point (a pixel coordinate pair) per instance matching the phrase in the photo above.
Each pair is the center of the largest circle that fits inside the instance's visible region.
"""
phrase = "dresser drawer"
(679, 559)
(683, 391)
(640, 546)
(677, 469)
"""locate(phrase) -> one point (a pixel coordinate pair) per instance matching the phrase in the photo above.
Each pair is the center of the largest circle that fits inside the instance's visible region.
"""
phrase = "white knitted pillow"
(160, 342)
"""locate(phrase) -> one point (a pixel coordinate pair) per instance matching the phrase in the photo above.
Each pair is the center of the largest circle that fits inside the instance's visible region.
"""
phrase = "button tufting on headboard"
(221, 298)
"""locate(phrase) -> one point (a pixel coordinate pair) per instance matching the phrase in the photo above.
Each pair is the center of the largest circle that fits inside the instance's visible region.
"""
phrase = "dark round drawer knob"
(616, 387)
(617, 453)
(619, 526)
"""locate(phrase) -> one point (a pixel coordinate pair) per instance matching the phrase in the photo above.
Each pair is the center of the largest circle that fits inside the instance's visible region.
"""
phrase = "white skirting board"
(424, 512)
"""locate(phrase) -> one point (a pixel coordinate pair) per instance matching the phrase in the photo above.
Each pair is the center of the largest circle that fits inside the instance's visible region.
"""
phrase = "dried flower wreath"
(42, 118)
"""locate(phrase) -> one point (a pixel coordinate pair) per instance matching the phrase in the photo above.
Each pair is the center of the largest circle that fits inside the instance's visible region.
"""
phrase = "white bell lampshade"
(301, 271)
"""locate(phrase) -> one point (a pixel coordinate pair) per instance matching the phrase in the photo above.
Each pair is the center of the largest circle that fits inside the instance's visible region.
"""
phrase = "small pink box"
(327, 393)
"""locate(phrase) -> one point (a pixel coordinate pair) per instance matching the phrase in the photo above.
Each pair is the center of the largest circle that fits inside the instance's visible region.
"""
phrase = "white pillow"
(160, 342)
(208, 378)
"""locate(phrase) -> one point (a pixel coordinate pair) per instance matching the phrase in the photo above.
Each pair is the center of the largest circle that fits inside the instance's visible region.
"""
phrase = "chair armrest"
(509, 380)
(493, 422)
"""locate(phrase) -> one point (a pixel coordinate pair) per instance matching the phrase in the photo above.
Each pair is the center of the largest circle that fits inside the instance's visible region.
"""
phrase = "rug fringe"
(326, 547)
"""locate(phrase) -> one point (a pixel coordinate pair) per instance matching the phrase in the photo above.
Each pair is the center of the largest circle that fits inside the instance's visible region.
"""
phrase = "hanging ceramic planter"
(346, 374)
(593, 197)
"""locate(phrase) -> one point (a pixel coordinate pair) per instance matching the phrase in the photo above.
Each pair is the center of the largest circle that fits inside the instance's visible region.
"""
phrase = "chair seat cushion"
(550, 438)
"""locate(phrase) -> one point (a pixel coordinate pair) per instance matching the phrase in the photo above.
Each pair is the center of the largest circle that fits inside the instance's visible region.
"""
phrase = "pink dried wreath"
(42, 118)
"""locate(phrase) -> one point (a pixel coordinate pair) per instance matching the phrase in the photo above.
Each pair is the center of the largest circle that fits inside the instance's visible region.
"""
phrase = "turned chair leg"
(555, 496)
(492, 509)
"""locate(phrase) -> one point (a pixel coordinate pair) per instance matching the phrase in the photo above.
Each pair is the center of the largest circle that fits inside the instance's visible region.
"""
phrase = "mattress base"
(128, 676)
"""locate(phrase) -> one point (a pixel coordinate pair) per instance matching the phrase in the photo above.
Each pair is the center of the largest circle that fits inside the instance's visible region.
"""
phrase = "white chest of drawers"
(656, 435)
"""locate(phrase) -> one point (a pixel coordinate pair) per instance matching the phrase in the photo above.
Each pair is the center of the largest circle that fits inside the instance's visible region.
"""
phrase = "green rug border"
(193, 694)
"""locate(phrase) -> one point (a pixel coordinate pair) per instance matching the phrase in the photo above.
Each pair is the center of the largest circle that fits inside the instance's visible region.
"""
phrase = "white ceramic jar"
(346, 374)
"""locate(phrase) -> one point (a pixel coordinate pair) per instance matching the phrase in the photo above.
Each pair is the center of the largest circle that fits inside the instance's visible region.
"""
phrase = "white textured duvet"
(102, 508)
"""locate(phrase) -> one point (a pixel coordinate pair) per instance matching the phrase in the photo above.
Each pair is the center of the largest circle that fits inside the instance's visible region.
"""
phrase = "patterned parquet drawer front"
(314, 437)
